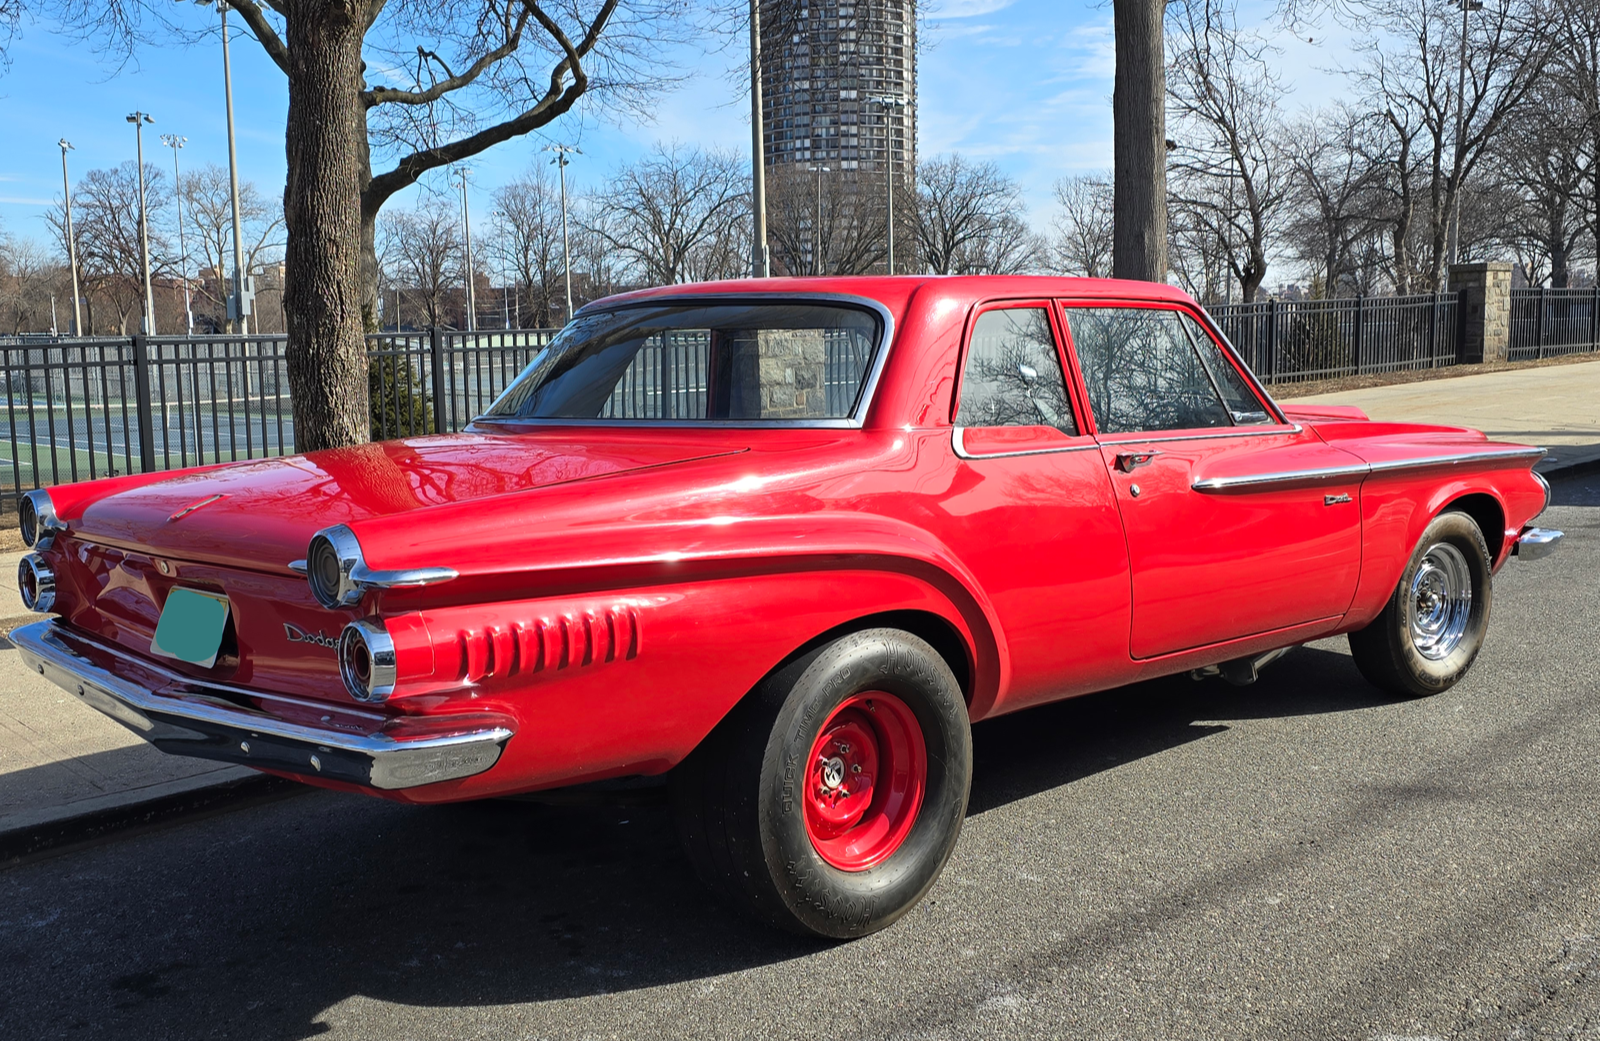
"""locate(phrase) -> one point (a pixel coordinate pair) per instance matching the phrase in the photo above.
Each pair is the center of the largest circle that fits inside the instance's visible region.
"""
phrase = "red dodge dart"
(780, 543)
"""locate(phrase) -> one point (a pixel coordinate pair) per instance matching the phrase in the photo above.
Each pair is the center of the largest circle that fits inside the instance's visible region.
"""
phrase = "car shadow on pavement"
(266, 923)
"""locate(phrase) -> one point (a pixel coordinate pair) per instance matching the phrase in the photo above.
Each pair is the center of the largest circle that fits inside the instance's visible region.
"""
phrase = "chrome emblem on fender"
(295, 634)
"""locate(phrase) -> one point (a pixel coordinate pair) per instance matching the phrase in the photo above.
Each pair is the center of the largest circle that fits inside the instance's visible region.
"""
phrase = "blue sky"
(1025, 83)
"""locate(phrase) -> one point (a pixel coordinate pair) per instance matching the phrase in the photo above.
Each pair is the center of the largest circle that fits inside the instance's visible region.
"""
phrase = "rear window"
(701, 362)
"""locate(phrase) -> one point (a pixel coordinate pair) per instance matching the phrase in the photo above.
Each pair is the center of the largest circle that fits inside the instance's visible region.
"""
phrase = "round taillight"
(333, 554)
(28, 516)
(36, 516)
(367, 660)
(36, 583)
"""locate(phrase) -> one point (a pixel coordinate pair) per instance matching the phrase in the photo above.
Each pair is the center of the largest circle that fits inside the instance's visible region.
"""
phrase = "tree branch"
(556, 100)
(385, 95)
(264, 33)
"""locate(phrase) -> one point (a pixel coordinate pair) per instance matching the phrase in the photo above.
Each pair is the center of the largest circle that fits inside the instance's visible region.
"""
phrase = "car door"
(1237, 522)
(1031, 512)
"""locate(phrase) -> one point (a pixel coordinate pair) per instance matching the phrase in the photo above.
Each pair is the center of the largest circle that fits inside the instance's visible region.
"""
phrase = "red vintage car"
(782, 542)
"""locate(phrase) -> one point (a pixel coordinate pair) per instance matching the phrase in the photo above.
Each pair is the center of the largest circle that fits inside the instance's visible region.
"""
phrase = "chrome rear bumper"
(185, 716)
(1534, 543)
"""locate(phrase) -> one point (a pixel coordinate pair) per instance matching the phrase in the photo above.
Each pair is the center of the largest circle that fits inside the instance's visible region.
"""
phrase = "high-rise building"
(823, 63)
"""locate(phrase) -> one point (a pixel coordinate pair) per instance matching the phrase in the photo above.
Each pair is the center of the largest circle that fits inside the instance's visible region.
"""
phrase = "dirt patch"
(10, 533)
(1296, 391)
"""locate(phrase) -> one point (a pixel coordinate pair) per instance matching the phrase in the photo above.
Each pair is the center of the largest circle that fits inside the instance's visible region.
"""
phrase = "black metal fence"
(1287, 341)
(85, 408)
(1546, 323)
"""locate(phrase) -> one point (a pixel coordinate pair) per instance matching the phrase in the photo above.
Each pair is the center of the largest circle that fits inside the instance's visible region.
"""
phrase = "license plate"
(191, 627)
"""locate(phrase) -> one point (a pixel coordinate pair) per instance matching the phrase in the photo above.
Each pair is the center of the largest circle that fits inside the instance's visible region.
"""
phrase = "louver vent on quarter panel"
(550, 642)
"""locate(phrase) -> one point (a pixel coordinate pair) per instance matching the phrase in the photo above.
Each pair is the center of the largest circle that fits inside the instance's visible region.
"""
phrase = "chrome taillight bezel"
(1549, 493)
(36, 582)
(367, 642)
(36, 516)
(334, 550)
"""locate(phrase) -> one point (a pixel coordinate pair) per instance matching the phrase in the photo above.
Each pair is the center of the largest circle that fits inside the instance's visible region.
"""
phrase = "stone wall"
(782, 378)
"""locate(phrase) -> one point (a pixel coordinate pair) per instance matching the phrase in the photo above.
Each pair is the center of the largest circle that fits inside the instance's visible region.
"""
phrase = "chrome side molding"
(1223, 484)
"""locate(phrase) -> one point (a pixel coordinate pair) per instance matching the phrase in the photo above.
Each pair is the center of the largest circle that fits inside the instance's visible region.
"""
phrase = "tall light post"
(466, 224)
(72, 244)
(889, 103)
(560, 163)
(760, 258)
(174, 142)
(239, 305)
(1461, 116)
(816, 265)
(139, 119)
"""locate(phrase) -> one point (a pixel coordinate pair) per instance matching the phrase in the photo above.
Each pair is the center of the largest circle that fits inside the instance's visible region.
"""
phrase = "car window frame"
(1281, 424)
(1084, 438)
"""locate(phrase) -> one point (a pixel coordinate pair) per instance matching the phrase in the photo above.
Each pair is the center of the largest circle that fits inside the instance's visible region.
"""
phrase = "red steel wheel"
(865, 781)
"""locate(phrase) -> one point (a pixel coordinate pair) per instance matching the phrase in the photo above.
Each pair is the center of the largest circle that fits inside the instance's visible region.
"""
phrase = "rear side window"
(1143, 371)
(1012, 375)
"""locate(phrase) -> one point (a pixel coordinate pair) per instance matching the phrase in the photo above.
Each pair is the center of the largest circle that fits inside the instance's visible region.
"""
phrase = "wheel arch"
(1488, 514)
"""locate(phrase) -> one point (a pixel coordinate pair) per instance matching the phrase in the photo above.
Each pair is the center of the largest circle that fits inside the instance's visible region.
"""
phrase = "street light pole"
(466, 224)
(760, 258)
(139, 119)
(72, 245)
(889, 103)
(1461, 115)
(816, 266)
(560, 162)
(174, 142)
(241, 304)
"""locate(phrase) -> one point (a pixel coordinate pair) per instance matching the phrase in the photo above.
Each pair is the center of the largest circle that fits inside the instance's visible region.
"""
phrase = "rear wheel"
(830, 799)
(1431, 630)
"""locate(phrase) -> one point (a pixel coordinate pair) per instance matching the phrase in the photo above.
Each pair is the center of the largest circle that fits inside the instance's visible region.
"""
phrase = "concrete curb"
(70, 826)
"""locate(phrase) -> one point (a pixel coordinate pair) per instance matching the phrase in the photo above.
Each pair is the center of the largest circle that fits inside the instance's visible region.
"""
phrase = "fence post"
(1272, 339)
(1544, 305)
(1594, 318)
(1433, 331)
(1355, 347)
(144, 403)
(436, 373)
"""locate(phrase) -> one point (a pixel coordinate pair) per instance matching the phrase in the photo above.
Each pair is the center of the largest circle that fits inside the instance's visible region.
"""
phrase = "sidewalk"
(67, 773)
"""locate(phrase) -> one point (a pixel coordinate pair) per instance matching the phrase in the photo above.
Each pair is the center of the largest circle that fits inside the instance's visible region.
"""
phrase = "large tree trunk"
(322, 211)
(1139, 135)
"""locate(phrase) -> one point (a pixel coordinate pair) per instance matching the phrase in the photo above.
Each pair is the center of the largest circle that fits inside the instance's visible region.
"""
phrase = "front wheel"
(1431, 630)
(829, 800)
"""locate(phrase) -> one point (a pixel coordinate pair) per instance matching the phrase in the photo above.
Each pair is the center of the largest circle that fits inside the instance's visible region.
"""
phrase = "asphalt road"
(1297, 859)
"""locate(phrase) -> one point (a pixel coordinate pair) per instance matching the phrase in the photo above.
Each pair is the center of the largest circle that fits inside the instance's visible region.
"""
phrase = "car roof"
(895, 292)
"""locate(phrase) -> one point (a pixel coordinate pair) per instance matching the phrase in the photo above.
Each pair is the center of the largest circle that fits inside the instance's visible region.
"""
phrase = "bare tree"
(850, 233)
(207, 203)
(1410, 75)
(29, 276)
(1540, 163)
(1083, 229)
(447, 82)
(527, 244)
(1229, 172)
(677, 216)
(1139, 136)
(969, 220)
(424, 249)
(105, 221)
(1337, 200)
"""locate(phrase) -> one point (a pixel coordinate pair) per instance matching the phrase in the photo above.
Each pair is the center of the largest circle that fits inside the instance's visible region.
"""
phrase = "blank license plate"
(191, 627)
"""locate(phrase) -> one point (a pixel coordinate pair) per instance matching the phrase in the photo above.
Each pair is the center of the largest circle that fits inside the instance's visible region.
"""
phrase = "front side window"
(1012, 375)
(695, 362)
(1143, 371)
(1243, 406)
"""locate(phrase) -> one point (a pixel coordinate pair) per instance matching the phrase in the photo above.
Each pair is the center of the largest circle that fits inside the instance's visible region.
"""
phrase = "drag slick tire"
(1433, 626)
(829, 800)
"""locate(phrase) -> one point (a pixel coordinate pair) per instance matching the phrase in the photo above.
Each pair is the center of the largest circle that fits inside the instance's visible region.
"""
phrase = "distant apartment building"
(823, 63)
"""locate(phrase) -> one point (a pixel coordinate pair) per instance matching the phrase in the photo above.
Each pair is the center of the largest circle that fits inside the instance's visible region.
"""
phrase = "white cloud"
(969, 8)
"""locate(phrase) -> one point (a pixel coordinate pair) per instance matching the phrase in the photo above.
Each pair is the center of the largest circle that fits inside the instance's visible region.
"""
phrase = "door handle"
(1128, 462)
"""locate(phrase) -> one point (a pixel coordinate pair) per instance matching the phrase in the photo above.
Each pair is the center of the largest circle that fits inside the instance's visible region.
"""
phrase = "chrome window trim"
(855, 421)
(1254, 431)
(958, 443)
(1214, 484)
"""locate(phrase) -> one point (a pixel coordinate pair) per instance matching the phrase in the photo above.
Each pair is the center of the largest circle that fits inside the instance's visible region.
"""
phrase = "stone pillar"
(1486, 310)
